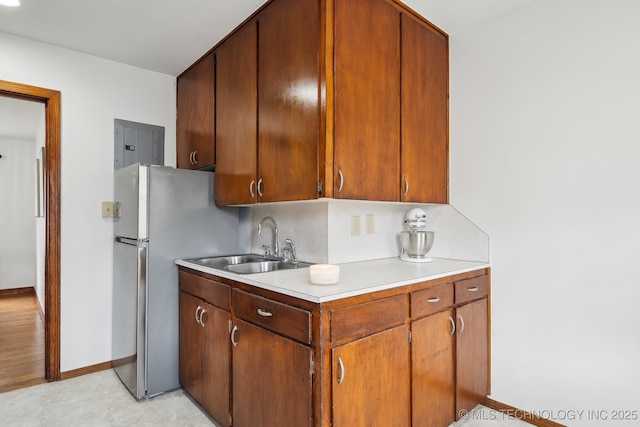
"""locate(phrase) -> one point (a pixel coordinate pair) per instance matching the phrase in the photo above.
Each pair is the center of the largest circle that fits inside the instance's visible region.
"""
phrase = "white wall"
(545, 144)
(17, 216)
(93, 93)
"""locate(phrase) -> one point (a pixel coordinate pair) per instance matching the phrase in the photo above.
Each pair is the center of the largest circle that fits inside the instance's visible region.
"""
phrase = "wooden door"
(195, 125)
(272, 382)
(425, 118)
(367, 100)
(288, 100)
(370, 383)
(236, 110)
(216, 365)
(433, 370)
(190, 345)
(472, 368)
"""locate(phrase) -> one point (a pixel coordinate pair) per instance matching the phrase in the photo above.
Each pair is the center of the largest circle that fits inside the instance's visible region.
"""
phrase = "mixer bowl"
(416, 244)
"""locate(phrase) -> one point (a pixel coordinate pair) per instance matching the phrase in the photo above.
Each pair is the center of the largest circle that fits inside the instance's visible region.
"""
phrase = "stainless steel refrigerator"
(162, 214)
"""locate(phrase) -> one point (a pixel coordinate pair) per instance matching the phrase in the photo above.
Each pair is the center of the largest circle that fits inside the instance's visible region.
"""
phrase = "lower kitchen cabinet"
(272, 380)
(472, 354)
(370, 378)
(411, 356)
(204, 348)
(433, 388)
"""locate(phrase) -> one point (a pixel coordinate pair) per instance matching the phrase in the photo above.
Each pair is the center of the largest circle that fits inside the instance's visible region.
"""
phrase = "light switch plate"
(369, 227)
(355, 225)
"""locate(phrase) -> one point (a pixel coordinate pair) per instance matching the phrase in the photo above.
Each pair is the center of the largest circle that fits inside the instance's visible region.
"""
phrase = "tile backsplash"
(337, 231)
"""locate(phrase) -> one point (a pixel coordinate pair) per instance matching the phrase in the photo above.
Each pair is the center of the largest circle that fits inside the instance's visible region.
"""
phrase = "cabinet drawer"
(273, 315)
(431, 300)
(471, 289)
(213, 292)
(367, 318)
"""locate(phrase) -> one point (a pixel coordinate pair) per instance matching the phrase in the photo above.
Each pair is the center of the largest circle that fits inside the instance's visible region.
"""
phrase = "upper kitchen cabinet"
(237, 108)
(195, 126)
(288, 101)
(425, 113)
(391, 104)
(367, 102)
(267, 107)
(332, 98)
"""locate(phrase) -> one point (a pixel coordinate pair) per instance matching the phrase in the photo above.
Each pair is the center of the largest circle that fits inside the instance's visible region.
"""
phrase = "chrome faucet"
(289, 252)
(276, 249)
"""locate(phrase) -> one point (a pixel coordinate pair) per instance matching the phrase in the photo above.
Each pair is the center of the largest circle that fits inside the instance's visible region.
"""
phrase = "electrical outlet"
(369, 227)
(107, 210)
(355, 225)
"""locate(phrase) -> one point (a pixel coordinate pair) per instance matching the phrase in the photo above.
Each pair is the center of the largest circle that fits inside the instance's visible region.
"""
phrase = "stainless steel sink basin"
(221, 262)
(246, 264)
(263, 266)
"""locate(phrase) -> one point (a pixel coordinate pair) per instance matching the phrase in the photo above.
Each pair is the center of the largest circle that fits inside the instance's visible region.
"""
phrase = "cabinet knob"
(264, 313)
(200, 319)
(233, 336)
(461, 323)
(259, 187)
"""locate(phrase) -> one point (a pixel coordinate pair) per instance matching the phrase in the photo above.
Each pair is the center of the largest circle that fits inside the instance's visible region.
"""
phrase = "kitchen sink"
(247, 264)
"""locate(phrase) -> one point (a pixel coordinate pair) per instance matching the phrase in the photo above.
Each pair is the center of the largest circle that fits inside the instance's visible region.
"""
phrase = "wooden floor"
(21, 342)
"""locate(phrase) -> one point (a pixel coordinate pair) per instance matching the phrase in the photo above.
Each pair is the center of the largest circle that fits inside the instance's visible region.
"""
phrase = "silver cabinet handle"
(233, 336)
(259, 187)
(474, 289)
(195, 157)
(434, 300)
(264, 313)
(341, 365)
(453, 326)
(461, 323)
(198, 315)
(200, 318)
(341, 180)
(192, 157)
(406, 187)
(251, 185)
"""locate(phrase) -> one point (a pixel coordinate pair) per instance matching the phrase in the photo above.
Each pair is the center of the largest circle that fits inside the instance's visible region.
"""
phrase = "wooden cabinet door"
(195, 125)
(272, 382)
(425, 118)
(216, 366)
(370, 383)
(472, 370)
(190, 345)
(433, 370)
(288, 100)
(237, 109)
(367, 101)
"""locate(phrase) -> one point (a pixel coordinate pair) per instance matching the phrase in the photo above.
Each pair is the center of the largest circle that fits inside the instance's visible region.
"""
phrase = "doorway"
(51, 100)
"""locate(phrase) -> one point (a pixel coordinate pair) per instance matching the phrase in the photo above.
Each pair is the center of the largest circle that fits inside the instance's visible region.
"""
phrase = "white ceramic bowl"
(324, 274)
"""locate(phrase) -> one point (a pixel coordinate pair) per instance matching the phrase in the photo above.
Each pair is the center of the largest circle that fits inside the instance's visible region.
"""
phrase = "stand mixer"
(416, 242)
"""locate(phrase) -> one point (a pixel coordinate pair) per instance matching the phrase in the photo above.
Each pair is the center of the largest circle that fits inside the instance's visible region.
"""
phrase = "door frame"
(51, 100)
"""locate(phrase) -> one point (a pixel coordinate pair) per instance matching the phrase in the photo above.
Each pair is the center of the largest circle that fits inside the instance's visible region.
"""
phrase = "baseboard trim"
(12, 292)
(520, 414)
(86, 370)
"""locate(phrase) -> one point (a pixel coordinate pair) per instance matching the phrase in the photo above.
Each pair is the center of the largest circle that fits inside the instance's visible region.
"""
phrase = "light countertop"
(356, 278)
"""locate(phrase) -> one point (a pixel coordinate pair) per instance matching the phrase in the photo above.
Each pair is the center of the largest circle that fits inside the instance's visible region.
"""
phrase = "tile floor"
(100, 399)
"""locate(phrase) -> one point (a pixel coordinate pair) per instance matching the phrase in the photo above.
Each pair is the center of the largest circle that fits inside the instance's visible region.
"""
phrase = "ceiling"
(168, 36)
